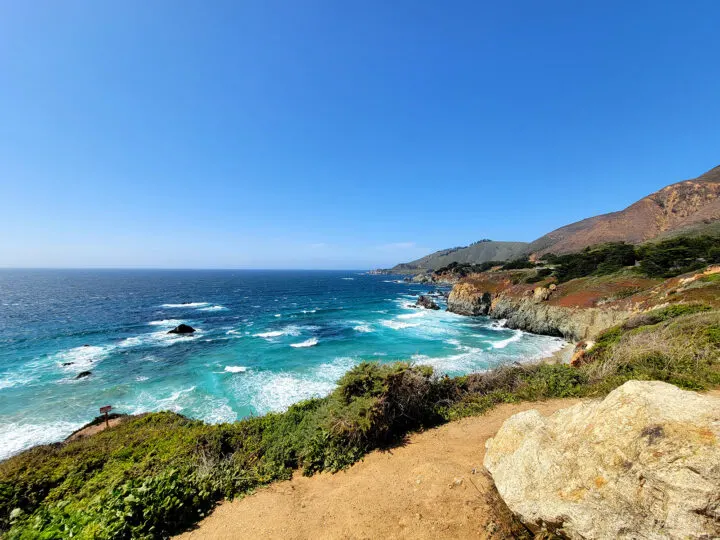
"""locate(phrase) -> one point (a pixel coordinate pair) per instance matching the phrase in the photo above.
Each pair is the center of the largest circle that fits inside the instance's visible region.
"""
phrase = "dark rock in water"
(427, 303)
(67, 364)
(83, 374)
(182, 329)
(86, 345)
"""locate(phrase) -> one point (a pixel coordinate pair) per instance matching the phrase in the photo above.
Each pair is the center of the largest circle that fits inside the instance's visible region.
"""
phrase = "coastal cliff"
(533, 313)
(540, 318)
(580, 308)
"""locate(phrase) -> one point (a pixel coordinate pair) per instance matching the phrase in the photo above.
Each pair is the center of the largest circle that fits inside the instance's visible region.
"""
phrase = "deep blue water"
(265, 340)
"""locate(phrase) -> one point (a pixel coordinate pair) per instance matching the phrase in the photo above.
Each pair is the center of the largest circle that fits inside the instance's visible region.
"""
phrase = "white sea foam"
(414, 315)
(348, 278)
(186, 305)
(219, 412)
(158, 339)
(267, 391)
(307, 343)
(271, 334)
(287, 331)
(363, 328)
(235, 369)
(166, 322)
(149, 401)
(213, 308)
(469, 360)
(398, 325)
(11, 379)
(85, 356)
(17, 436)
(278, 315)
(517, 336)
(141, 378)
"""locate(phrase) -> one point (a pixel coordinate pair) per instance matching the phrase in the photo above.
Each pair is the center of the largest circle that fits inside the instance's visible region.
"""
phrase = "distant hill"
(479, 252)
(690, 206)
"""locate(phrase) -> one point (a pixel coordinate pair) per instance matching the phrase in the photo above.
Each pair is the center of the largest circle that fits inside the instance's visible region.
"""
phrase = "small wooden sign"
(105, 410)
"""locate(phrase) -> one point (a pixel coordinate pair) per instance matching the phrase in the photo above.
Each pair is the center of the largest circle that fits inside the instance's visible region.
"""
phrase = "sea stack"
(182, 329)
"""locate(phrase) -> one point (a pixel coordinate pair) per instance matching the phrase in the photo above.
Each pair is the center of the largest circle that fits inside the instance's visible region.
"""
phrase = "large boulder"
(642, 463)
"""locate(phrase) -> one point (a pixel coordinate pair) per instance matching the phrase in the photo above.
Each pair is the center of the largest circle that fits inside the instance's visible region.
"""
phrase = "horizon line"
(184, 268)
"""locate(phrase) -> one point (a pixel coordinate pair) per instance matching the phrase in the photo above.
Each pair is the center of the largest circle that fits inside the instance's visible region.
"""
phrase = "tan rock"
(642, 463)
(540, 294)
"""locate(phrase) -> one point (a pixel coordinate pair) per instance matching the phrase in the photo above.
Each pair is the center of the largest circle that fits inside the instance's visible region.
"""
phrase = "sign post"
(105, 410)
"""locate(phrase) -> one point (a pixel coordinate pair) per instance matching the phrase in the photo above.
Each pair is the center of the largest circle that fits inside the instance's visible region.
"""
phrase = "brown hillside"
(677, 206)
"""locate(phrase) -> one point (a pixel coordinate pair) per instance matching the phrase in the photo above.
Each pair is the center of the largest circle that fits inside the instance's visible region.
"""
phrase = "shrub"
(598, 260)
(518, 264)
(676, 256)
(540, 275)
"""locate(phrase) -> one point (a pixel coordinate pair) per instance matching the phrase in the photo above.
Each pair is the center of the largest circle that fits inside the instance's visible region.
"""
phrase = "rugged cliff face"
(581, 308)
(541, 318)
(468, 299)
(531, 312)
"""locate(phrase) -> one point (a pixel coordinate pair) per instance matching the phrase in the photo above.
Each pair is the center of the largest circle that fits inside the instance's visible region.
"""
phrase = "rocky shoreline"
(533, 314)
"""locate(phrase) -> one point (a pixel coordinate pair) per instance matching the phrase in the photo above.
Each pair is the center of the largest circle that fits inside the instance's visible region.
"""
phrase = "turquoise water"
(265, 340)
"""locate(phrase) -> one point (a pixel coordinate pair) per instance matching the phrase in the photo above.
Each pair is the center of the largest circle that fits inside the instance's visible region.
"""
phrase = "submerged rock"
(83, 374)
(426, 302)
(642, 463)
(182, 329)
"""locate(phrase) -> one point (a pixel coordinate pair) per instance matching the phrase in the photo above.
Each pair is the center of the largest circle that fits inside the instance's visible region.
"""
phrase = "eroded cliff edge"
(576, 310)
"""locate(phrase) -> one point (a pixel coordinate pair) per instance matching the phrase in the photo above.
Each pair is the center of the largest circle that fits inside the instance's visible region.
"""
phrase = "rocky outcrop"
(83, 374)
(467, 299)
(539, 317)
(642, 463)
(426, 302)
(422, 278)
(532, 313)
(182, 329)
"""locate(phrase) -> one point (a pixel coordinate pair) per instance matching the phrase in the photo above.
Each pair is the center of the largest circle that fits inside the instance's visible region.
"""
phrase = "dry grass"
(685, 347)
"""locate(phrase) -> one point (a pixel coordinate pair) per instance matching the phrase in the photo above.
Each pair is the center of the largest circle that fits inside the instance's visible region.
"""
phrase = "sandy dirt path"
(424, 489)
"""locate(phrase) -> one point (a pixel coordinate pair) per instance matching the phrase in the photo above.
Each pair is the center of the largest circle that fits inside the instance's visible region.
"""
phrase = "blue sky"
(326, 134)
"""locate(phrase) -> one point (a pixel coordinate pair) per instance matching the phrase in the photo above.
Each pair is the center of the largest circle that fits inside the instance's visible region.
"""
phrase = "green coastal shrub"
(664, 259)
(679, 255)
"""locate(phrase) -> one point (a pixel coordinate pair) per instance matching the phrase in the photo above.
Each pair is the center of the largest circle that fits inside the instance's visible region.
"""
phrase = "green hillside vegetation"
(663, 259)
(155, 474)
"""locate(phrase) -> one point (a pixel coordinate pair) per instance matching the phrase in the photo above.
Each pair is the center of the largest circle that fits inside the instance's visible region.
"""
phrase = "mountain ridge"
(688, 206)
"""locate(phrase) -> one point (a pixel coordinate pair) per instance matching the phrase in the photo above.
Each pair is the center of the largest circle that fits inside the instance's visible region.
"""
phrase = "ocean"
(264, 340)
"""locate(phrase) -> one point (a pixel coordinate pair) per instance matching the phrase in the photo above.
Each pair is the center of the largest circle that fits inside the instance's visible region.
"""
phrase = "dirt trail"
(425, 489)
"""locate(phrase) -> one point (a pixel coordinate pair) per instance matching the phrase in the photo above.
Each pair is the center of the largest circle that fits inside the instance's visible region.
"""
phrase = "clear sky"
(338, 134)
